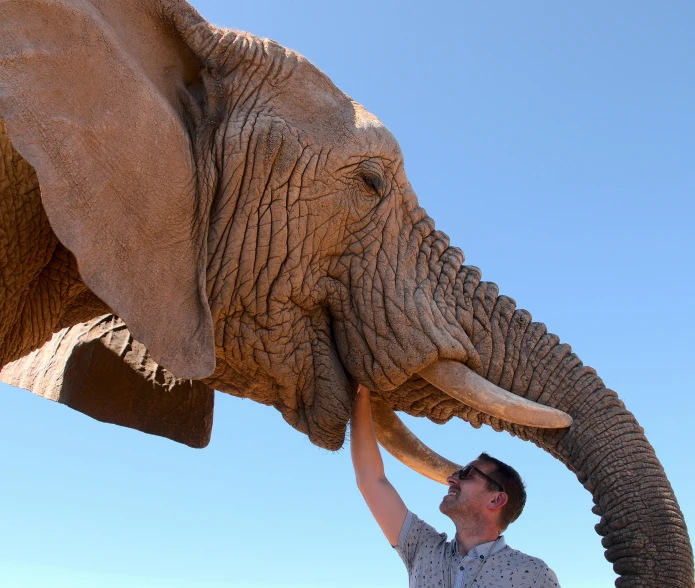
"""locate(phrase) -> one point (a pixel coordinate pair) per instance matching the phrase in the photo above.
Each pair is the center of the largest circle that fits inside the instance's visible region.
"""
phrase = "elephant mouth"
(355, 351)
(455, 379)
(462, 384)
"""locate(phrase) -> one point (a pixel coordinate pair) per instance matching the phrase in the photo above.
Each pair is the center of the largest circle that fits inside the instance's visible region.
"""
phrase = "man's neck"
(467, 538)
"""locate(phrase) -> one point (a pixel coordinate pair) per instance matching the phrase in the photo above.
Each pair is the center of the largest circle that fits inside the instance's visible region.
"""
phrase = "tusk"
(463, 384)
(400, 442)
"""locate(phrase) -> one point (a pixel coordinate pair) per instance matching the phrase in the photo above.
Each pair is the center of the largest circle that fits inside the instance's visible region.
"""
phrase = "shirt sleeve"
(546, 579)
(415, 535)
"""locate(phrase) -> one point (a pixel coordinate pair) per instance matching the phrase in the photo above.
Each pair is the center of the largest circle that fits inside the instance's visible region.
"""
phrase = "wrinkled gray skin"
(284, 247)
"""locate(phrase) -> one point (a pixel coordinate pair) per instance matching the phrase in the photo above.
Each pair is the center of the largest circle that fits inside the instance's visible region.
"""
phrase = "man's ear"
(498, 501)
(94, 94)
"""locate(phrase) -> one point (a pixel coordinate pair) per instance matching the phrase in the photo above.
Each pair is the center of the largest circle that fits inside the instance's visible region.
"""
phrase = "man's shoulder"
(417, 542)
(520, 556)
(528, 565)
(415, 526)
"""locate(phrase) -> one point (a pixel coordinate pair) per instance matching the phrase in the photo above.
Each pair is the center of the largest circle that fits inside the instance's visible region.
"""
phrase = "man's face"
(469, 498)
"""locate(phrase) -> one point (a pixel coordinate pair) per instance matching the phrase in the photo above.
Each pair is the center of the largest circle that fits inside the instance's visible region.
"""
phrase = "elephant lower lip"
(326, 394)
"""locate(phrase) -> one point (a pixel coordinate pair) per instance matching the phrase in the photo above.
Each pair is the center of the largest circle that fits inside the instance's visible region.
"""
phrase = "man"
(483, 499)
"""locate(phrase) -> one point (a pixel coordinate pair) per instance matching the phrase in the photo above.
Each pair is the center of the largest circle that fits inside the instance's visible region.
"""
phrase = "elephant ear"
(99, 369)
(96, 95)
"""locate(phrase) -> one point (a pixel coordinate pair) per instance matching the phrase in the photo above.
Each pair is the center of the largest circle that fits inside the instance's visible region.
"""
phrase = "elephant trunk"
(642, 526)
(643, 529)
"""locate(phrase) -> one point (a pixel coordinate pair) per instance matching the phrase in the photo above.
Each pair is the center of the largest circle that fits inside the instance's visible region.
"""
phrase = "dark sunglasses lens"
(465, 472)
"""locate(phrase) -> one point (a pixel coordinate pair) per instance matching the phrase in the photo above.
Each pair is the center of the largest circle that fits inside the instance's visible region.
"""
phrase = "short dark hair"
(513, 485)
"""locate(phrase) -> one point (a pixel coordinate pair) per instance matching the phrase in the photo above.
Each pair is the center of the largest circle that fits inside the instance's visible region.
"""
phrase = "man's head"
(487, 491)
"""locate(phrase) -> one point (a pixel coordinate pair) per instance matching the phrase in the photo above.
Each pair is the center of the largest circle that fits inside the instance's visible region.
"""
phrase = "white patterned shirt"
(434, 562)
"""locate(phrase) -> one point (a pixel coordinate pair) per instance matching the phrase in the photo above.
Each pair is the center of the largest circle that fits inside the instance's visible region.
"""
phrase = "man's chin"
(444, 507)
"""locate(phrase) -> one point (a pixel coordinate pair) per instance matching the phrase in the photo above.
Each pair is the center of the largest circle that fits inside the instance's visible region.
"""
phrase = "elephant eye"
(374, 182)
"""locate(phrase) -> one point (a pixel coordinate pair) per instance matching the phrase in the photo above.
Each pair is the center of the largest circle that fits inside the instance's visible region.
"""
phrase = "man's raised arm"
(383, 501)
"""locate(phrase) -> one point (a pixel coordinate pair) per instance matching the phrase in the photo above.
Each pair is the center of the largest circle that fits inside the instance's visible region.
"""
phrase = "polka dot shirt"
(434, 562)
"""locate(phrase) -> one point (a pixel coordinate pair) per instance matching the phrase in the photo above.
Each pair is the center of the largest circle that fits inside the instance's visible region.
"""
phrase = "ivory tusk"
(400, 442)
(463, 384)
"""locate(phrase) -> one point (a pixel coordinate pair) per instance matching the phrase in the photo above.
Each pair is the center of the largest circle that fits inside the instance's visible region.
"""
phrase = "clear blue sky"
(555, 144)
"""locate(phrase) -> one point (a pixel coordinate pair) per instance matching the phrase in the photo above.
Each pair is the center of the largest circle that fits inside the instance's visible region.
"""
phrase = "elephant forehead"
(310, 102)
(371, 131)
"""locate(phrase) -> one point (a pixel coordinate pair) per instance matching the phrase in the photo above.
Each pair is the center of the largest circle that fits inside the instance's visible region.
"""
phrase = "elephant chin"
(308, 385)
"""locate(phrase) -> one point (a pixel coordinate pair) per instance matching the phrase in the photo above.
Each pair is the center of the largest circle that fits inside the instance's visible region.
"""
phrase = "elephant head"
(255, 229)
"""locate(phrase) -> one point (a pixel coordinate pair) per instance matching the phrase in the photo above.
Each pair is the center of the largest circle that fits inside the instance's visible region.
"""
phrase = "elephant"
(288, 257)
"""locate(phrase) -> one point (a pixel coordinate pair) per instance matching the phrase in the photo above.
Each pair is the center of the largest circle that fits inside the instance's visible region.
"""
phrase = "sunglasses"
(465, 474)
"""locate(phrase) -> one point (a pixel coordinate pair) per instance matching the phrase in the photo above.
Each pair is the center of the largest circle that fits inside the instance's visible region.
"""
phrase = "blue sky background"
(555, 144)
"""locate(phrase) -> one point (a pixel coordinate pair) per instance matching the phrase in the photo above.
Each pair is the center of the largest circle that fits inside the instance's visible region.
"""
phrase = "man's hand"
(383, 501)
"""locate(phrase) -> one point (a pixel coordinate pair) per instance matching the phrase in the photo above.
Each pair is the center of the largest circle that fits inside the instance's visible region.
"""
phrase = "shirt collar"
(483, 549)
